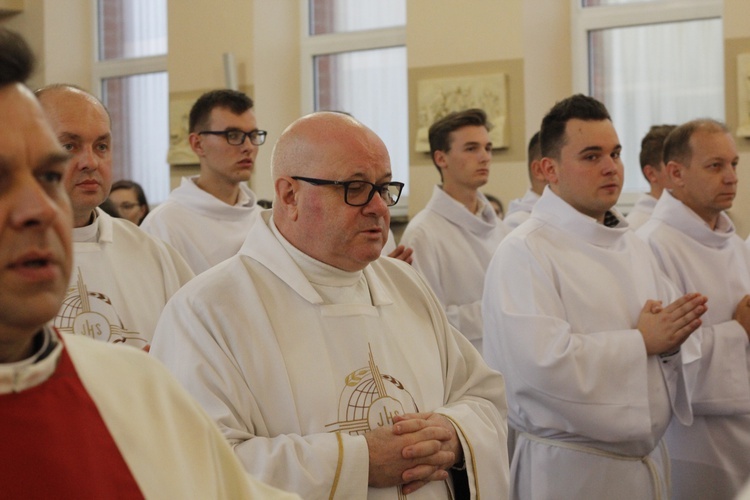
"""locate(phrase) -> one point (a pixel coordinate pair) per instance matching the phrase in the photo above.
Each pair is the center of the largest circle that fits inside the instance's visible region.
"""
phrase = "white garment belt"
(646, 460)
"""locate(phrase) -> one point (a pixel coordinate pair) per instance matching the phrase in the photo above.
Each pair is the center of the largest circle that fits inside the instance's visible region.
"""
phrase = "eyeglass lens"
(237, 137)
(360, 193)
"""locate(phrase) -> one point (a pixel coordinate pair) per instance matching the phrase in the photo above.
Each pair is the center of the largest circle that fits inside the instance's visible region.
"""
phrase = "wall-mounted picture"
(436, 97)
(180, 152)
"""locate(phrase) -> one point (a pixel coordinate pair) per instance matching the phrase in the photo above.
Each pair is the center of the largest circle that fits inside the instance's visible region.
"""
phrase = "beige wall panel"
(440, 32)
(199, 34)
(277, 79)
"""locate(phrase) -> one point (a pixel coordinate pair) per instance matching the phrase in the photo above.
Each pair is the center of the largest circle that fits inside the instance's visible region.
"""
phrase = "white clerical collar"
(243, 199)
(87, 233)
(315, 271)
(32, 371)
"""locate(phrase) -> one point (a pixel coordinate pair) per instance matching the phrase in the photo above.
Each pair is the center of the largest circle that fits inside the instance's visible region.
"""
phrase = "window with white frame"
(354, 60)
(130, 75)
(650, 62)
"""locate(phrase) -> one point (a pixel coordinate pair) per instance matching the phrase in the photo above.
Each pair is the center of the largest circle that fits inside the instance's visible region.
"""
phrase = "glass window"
(131, 70)
(363, 73)
(371, 86)
(654, 74)
(132, 28)
(338, 16)
(140, 130)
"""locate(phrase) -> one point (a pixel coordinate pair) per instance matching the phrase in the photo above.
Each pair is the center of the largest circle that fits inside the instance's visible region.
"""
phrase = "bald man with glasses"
(208, 216)
(332, 371)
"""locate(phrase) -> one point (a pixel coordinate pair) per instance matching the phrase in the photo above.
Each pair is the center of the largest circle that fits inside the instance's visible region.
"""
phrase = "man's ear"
(536, 170)
(196, 143)
(286, 196)
(550, 169)
(675, 171)
(440, 159)
(649, 172)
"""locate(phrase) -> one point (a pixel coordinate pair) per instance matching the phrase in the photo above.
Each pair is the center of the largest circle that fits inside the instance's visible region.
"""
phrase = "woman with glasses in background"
(129, 201)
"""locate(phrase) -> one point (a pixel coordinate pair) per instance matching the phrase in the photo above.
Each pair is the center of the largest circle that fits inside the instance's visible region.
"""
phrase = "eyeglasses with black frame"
(359, 193)
(237, 137)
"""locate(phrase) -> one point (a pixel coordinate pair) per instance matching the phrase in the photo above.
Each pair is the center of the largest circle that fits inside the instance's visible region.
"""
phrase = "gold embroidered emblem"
(92, 314)
(370, 400)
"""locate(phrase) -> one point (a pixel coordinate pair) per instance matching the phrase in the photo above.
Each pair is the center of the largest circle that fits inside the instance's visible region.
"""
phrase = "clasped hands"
(416, 449)
(665, 328)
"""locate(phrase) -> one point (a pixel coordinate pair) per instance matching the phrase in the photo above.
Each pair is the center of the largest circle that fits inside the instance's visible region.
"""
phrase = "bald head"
(311, 138)
(314, 217)
(82, 125)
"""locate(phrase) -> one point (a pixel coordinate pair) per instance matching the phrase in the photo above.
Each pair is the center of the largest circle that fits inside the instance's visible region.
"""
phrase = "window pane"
(336, 16)
(132, 28)
(140, 129)
(655, 74)
(371, 86)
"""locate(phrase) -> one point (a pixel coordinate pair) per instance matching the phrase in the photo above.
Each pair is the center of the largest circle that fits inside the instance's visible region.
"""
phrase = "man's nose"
(33, 206)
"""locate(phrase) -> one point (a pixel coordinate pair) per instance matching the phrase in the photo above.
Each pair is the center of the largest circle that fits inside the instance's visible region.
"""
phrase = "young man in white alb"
(455, 235)
(519, 210)
(698, 248)
(652, 166)
(207, 217)
(585, 327)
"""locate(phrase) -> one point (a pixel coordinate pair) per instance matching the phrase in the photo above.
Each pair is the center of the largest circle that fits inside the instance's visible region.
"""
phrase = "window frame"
(102, 70)
(312, 46)
(114, 68)
(586, 19)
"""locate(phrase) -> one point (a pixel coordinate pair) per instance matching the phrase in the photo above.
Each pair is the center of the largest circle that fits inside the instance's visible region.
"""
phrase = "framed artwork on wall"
(436, 97)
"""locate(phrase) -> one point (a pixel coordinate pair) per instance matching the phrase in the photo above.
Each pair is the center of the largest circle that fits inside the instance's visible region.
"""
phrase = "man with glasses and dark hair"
(207, 217)
(456, 234)
(333, 372)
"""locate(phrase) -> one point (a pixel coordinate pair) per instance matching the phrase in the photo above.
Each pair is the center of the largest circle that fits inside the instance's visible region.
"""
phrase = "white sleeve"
(466, 318)
(717, 367)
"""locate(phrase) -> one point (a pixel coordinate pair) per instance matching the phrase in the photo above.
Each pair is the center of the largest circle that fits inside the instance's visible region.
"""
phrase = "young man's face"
(223, 161)
(467, 163)
(35, 222)
(589, 172)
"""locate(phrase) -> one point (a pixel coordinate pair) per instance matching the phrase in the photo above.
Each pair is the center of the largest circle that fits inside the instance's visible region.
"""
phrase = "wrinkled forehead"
(74, 111)
(712, 142)
(360, 154)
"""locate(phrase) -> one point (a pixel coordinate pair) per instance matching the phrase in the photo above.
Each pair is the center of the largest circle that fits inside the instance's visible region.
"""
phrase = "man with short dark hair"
(697, 246)
(78, 418)
(455, 235)
(585, 327)
(122, 276)
(332, 371)
(519, 210)
(652, 167)
(207, 217)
